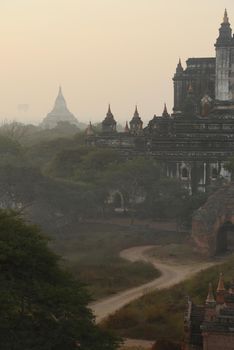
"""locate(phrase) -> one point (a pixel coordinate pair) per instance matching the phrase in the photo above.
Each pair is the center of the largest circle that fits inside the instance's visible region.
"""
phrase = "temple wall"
(218, 341)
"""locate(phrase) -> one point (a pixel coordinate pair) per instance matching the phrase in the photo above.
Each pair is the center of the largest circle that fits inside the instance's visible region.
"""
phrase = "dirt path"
(141, 344)
(171, 274)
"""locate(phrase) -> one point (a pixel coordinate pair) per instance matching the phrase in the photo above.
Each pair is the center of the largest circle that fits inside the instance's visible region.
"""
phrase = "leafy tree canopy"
(41, 306)
(7, 145)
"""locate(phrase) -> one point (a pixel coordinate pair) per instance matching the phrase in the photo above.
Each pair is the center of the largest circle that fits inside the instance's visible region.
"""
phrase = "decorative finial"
(136, 113)
(221, 287)
(89, 130)
(109, 108)
(165, 112)
(210, 296)
(179, 68)
(225, 18)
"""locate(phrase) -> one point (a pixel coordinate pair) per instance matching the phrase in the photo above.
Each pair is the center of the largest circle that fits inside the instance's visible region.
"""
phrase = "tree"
(134, 179)
(167, 199)
(41, 306)
(96, 162)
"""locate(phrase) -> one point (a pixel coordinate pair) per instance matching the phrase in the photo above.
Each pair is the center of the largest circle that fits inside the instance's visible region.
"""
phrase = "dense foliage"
(41, 306)
(65, 162)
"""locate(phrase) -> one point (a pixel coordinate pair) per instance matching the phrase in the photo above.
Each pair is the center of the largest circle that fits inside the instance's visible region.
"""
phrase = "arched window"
(185, 173)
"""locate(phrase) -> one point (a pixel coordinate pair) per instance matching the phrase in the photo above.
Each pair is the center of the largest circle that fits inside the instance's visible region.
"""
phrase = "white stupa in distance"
(60, 113)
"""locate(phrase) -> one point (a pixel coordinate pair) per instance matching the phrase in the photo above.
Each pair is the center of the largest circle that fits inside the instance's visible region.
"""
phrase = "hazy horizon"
(122, 52)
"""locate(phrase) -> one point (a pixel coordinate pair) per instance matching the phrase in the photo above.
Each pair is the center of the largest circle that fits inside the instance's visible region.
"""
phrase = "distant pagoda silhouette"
(60, 113)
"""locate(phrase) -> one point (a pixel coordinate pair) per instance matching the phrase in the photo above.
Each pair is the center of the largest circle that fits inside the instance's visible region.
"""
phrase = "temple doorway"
(225, 239)
(117, 201)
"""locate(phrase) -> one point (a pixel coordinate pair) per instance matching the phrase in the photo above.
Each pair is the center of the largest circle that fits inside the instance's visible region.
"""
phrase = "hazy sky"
(100, 51)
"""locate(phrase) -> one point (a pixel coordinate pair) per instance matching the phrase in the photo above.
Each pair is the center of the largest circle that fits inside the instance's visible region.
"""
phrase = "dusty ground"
(130, 344)
(179, 253)
(171, 274)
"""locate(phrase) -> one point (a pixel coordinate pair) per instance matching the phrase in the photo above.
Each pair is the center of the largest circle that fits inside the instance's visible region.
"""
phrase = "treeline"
(88, 181)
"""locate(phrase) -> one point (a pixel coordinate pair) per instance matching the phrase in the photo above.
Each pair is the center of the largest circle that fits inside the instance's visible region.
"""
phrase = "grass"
(178, 253)
(161, 313)
(133, 348)
(91, 253)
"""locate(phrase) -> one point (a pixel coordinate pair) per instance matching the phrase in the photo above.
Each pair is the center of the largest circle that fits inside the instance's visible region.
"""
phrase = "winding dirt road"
(171, 274)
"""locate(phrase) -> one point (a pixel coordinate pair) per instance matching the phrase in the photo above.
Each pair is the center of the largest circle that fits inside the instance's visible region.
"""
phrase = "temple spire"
(109, 112)
(136, 113)
(136, 123)
(221, 287)
(165, 112)
(179, 68)
(225, 32)
(210, 297)
(225, 18)
(220, 294)
(109, 123)
(89, 130)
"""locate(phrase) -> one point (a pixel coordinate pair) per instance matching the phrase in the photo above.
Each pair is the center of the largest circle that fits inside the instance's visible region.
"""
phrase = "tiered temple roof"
(203, 324)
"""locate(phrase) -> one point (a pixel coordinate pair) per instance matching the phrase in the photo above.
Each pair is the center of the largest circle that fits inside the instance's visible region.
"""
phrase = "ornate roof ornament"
(109, 123)
(136, 113)
(89, 131)
(165, 112)
(225, 18)
(210, 297)
(179, 68)
(109, 113)
(136, 123)
(225, 32)
(221, 287)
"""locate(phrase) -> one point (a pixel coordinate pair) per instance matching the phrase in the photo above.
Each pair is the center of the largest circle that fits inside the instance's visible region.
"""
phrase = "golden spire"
(210, 297)
(225, 18)
(221, 287)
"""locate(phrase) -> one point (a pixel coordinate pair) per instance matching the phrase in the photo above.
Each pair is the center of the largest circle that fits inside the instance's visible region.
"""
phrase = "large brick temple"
(197, 138)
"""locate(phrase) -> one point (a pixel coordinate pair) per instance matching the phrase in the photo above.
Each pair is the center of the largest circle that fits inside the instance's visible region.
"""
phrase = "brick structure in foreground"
(213, 223)
(211, 326)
